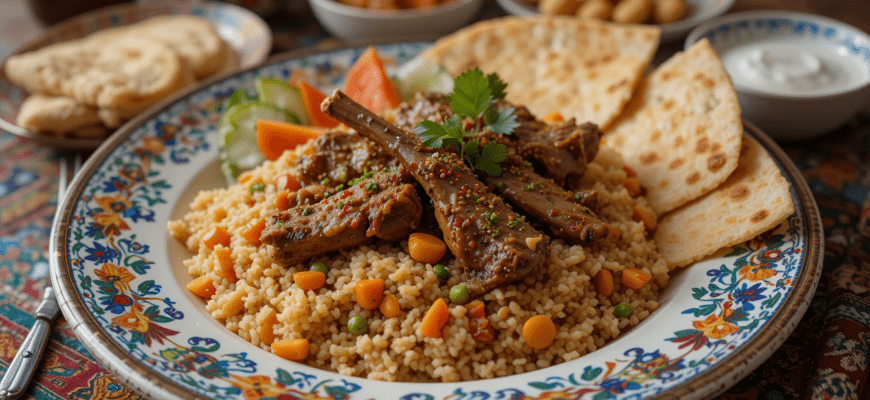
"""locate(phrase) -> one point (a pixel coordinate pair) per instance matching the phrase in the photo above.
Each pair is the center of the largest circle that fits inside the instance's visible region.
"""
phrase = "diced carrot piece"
(367, 83)
(282, 201)
(273, 137)
(287, 182)
(554, 116)
(632, 185)
(311, 99)
(434, 319)
(645, 216)
(390, 306)
(202, 287)
(481, 330)
(266, 330)
(635, 278)
(291, 349)
(309, 280)
(234, 305)
(226, 267)
(539, 332)
(604, 282)
(369, 293)
(426, 248)
(217, 235)
(252, 234)
(476, 309)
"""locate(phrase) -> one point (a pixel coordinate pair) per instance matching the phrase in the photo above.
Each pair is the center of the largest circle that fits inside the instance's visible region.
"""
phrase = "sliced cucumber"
(283, 95)
(420, 75)
(239, 96)
(237, 138)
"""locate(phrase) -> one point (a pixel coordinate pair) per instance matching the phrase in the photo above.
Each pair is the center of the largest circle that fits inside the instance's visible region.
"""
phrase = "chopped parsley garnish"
(491, 218)
(257, 187)
(473, 95)
(530, 187)
(306, 211)
(371, 186)
(324, 181)
(512, 224)
(339, 205)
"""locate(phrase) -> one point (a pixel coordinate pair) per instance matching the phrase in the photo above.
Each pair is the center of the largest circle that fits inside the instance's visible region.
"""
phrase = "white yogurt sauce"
(791, 68)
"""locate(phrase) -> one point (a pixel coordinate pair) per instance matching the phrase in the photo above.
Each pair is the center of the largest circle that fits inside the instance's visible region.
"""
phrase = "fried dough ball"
(595, 9)
(632, 11)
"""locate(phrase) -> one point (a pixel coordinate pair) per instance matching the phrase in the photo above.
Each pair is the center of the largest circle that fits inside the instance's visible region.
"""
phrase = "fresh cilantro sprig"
(472, 97)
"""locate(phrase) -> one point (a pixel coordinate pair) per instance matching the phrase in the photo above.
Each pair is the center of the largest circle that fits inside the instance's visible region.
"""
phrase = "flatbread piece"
(582, 69)
(681, 131)
(754, 199)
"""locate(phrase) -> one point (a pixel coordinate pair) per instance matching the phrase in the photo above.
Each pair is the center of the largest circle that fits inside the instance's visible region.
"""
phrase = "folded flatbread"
(754, 199)
(583, 69)
(682, 130)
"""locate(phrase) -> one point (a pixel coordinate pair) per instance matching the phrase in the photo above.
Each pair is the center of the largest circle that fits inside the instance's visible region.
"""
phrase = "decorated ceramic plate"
(699, 11)
(121, 281)
(247, 34)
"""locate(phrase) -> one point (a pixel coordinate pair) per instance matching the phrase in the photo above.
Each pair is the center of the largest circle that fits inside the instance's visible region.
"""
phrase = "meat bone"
(494, 244)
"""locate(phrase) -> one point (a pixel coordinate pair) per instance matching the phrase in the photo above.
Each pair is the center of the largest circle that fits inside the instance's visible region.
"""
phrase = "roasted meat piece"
(339, 156)
(562, 150)
(377, 207)
(559, 151)
(542, 198)
(494, 244)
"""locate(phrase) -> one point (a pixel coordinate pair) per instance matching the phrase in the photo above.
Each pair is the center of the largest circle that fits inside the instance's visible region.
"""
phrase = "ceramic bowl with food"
(694, 13)
(357, 24)
(797, 75)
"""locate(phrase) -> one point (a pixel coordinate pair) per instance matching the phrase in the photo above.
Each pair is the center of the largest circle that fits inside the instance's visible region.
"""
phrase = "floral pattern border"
(113, 266)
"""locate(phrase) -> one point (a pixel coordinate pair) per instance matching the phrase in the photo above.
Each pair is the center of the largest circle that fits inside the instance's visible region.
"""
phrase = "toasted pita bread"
(681, 131)
(582, 69)
(754, 199)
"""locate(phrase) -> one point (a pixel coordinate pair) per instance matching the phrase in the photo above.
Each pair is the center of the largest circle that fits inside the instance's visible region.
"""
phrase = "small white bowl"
(356, 25)
(794, 115)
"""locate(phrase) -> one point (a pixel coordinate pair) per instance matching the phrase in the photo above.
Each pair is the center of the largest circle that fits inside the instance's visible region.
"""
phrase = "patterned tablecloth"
(825, 358)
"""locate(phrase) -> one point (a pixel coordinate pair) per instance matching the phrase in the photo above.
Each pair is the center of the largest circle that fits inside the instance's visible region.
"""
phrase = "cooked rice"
(393, 349)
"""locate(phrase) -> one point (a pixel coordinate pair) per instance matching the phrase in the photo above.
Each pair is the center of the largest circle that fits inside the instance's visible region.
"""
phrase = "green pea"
(441, 271)
(257, 187)
(319, 266)
(459, 294)
(357, 325)
(623, 310)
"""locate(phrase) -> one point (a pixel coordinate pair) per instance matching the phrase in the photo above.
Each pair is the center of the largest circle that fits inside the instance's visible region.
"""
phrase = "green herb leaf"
(492, 154)
(431, 133)
(471, 94)
(496, 85)
(472, 151)
(455, 133)
(505, 122)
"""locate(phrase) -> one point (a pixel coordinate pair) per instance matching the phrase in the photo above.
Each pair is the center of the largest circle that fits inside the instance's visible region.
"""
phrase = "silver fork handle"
(24, 364)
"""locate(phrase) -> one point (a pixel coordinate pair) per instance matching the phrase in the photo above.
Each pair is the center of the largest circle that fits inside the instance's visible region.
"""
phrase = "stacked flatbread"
(678, 128)
(84, 86)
